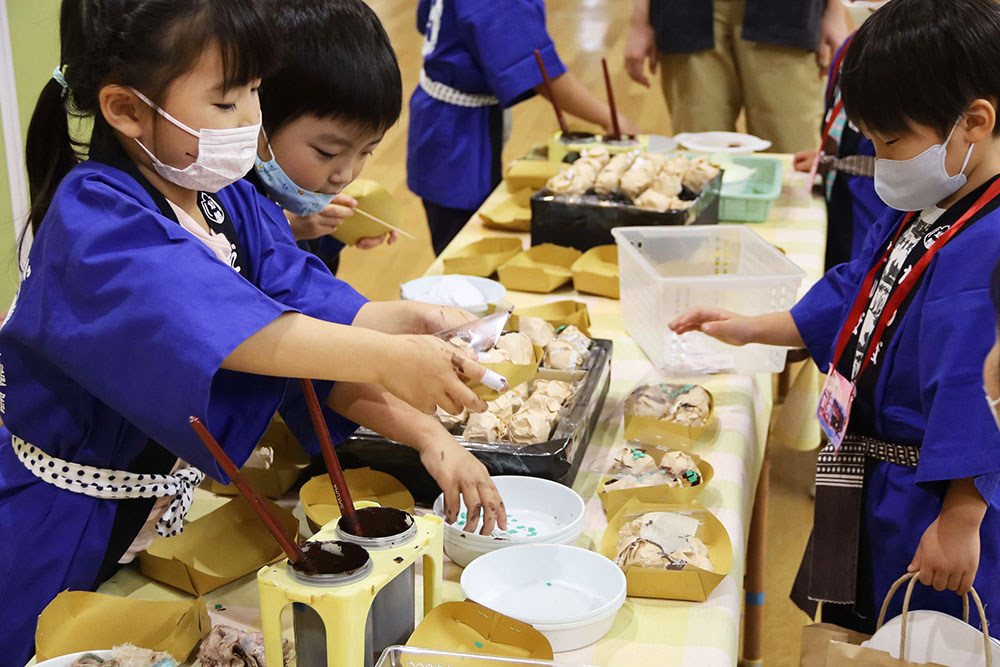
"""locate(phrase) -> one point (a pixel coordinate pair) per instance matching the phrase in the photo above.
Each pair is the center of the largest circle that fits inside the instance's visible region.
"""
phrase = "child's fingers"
(954, 581)
(370, 242)
(926, 576)
(452, 503)
(965, 584)
(474, 507)
(940, 580)
(335, 213)
(495, 513)
(345, 200)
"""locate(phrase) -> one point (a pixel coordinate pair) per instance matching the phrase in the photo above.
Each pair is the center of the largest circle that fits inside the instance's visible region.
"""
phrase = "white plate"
(67, 660)
(661, 144)
(722, 142)
(447, 290)
(545, 584)
(932, 636)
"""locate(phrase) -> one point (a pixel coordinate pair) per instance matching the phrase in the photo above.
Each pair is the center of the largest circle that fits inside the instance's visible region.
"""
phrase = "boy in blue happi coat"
(913, 486)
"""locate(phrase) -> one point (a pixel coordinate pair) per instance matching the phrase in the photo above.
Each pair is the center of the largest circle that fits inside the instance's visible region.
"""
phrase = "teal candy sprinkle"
(479, 645)
(638, 478)
(662, 471)
(638, 454)
(559, 329)
(548, 583)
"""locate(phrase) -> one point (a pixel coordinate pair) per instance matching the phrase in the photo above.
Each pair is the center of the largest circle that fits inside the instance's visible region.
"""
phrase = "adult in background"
(766, 57)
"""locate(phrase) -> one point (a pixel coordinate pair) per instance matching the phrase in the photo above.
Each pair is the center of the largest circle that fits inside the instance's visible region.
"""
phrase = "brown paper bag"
(81, 621)
(289, 462)
(842, 654)
(816, 640)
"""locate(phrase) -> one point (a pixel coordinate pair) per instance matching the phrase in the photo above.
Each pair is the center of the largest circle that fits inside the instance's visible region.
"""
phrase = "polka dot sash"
(115, 484)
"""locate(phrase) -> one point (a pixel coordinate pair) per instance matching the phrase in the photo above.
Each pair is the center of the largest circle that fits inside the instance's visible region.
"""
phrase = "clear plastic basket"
(667, 270)
(404, 656)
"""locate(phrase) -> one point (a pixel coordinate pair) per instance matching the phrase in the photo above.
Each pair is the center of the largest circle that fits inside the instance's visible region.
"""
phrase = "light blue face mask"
(284, 192)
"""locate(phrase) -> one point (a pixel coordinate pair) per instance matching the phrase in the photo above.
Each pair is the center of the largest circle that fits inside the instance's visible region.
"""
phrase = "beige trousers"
(779, 87)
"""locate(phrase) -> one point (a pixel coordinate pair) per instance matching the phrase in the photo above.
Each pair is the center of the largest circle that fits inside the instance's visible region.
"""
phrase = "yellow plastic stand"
(558, 149)
(344, 609)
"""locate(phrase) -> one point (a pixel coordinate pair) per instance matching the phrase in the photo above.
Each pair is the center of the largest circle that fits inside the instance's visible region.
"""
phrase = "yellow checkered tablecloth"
(663, 632)
(646, 632)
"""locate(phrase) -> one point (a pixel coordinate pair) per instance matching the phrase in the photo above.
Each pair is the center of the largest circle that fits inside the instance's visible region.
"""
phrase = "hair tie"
(60, 78)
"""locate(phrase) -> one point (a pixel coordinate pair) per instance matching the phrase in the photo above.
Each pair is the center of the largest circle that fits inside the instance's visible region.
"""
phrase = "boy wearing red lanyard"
(910, 479)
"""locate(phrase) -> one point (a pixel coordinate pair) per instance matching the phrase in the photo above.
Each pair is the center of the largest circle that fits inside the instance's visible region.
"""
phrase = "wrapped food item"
(449, 421)
(576, 338)
(638, 178)
(659, 160)
(505, 406)
(550, 404)
(666, 183)
(678, 204)
(681, 467)
(495, 356)
(636, 468)
(463, 345)
(556, 388)
(677, 165)
(688, 405)
(261, 458)
(610, 177)
(485, 427)
(530, 426)
(698, 174)
(562, 356)
(670, 532)
(520, 392)
(538, 330)
(651, 200)
(597, 157)
(127, 655)
(226, 646)
(635, 460)
(518, 346)
(573, 181)
(691, 407)
(561, 183)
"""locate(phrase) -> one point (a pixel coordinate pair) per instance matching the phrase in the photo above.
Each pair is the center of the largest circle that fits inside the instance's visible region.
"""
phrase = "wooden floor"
(584, 31)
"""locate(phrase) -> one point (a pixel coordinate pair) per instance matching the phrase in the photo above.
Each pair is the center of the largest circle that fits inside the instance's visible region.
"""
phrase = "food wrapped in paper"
(667, 184)
(485, 427)
(550, 404)
(538, 330)
(651, 200)
(638, 177)
(610, 177)
(634, 460)
(678, 204)
(561, 183)
(596, 157)
(530, 426)
(494, 356)
(576, 338)
(452, 420)
(688, 405)
(677, 165)
(518, 346)
(699, 173)
(634, 467)
(562, 356)
(555, 388)
(505, 406)
(672, 533)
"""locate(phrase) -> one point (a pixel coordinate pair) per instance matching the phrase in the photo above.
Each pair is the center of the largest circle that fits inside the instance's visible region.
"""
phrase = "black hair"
(336, 62)
(922, 62)
(145, 44)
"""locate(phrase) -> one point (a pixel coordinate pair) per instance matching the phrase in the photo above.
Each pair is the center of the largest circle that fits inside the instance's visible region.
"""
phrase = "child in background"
(848, 170)
(915, 484)
(478, 62)
(325, 108)
(158, 288)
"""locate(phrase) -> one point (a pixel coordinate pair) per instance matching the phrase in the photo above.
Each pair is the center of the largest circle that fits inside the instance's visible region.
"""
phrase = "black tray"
(558, 459)
(588, 223)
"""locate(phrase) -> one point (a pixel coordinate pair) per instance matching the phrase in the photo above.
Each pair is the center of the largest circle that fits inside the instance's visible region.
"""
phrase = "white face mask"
(921, 181)
(224, 156)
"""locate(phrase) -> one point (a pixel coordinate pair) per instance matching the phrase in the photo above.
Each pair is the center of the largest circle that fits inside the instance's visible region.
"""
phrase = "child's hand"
(803, 161)
(948, 555)
(432, 319)
(424, 371)
(309, 227)
(719, 324)
(374, 241)
(626, 124)
(460, 474)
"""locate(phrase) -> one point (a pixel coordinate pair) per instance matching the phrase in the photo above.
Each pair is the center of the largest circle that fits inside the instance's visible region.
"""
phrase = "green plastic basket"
(752, 202)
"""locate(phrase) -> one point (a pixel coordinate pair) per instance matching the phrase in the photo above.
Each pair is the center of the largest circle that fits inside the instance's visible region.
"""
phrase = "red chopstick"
(340, 489)
(552, 98)
(291, 548)
(611, 99)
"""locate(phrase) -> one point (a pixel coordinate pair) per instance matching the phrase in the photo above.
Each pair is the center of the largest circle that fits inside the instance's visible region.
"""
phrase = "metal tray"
(557, 459)
(588, 223)
(405, 656)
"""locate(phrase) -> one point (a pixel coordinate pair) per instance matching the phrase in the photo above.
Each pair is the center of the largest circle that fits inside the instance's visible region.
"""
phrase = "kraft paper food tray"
(320, 504)
(542, 268)
(482, 257)
(531, 174)
(503, 211)
(650, 431)
(467, 627)
(557, 313)
(596, 272)
(516, 374)
(82, 621)
(374, 199)
(691, 583)
(657, 493)
(216, 549)
(289, 462)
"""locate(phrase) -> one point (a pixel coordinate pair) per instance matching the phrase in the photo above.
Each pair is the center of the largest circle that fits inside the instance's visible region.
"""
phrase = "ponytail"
(49, 150)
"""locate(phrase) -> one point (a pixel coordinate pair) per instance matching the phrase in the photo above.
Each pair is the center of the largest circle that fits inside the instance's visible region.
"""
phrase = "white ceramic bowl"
(722, 142)
(569, 594)
(434, 290)
(554, 511)
(67, 660)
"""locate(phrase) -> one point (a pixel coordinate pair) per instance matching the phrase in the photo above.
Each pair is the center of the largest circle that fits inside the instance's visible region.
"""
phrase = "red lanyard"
(834, 112)
(905, 287)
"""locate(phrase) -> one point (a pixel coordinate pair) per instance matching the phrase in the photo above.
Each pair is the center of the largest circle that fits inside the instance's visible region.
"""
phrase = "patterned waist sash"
(108, 484)
(840, 480)
(855, 165)
(444, 93)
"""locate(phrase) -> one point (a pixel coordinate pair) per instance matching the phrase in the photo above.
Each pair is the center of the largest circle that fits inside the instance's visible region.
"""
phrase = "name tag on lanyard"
(834, 409)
